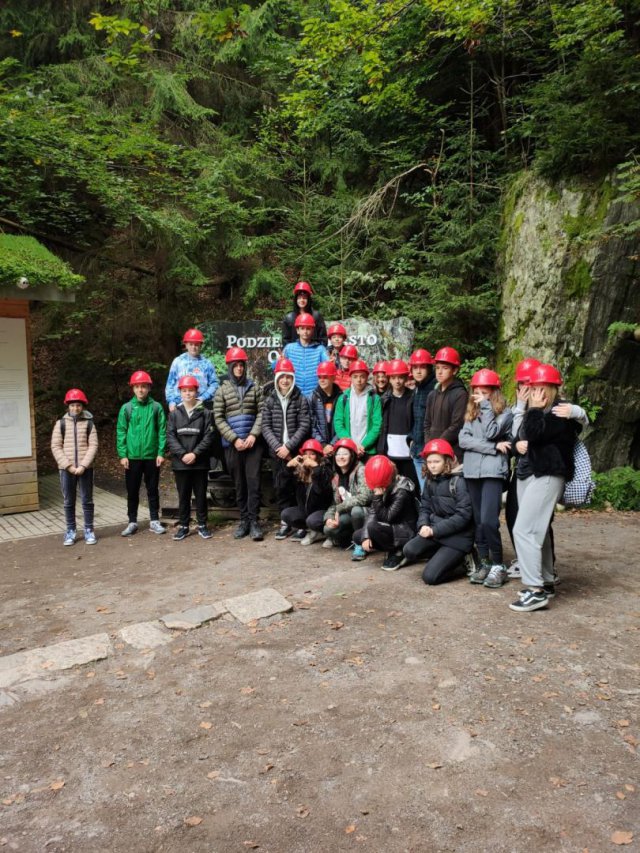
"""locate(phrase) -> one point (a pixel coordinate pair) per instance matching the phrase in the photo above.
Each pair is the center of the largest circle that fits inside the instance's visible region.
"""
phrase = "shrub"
(618, 488)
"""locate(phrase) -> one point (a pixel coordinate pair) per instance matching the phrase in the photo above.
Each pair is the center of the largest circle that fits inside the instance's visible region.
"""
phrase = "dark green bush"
(618, 488)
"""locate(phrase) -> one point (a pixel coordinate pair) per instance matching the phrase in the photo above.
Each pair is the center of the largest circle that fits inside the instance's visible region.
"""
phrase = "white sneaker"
(312, 537)
(328, 543)
(514, 569)
(130, 529)
(156, 527)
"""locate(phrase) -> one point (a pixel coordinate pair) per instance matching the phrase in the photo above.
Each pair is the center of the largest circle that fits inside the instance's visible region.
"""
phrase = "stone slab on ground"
(35, 663)
(256, 605)
(145, 635)
(194, 617)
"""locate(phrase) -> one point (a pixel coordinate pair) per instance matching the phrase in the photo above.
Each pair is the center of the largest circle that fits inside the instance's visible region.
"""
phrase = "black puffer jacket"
(190, 435)
(298, 421)
(397, 507)
(318, 494)
(446, 508)
(551, 443)
(289, 334)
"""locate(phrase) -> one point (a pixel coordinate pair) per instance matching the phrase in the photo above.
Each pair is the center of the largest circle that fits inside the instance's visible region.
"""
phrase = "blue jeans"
(417, 464)
(69, 483)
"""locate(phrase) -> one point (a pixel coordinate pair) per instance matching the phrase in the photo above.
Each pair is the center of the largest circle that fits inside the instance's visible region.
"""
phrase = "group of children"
(410, 463)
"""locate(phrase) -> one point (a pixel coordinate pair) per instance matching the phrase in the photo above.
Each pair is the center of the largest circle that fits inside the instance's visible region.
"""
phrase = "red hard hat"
(235, 354)
(358, 366)
(312, 444)
(485, 378)
(379, 472)
(283, 365)
(438, 445)
(75, 395)
(379, 367)
(327, 368)
(545, 374)
(193, 336)
(397, 367)
(449, 355)
(303, 287)
(348, 443)
(349, 351)
(140, 377)
(188, 382)
(524, 368)
(420, 357)
(337, 329)
(304, 320)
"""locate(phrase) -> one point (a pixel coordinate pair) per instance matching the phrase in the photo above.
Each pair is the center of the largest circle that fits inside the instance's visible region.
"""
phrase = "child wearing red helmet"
(351, 496)
(312, 472)
(391, 519)
(485, 440)
(74, 444)
(322, 406)
(140, 444)
(446, 404)
(397, 420)
(337, 335)
(192, 363)
(358, 412)
(421, 366)
(303, 304)
(445, 520)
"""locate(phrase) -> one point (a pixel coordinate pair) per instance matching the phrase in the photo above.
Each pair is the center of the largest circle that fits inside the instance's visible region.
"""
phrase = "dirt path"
(379, 715)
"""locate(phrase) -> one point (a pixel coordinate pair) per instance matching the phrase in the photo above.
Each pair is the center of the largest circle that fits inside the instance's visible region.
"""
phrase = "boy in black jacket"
(286, 424)
(189, 439)
(446, 405)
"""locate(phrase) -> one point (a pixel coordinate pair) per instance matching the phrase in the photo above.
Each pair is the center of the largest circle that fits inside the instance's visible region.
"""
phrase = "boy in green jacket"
(140, 441)
(358, 413)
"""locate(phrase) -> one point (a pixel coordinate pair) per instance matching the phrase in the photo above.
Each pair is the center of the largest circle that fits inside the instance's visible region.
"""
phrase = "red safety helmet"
(545, 374)
(188, 382)
(140, 377)
(420, 357)
(303, 287)
(304, 320)
(358, 366)
(449, 355)
(437, 445)
(348, 351)
(379, 472)
(336, 329)
(193, 336)
(235, 354)
(485, 378)
(397, 367)
(327, 368)
(312, 444)
(283, 365)
(75, 395)
(379, 367)
(524, 368)
(347, 443)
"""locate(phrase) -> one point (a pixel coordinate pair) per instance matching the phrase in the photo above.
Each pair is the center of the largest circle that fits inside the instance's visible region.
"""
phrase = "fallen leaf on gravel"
(246, 691)
(481, 792)
(205, 704)
(206, 725)
(631, 740)
(57, 785)
(193, 820)
(351, 828)
(357, 661)
(150, 673)
(604, 697)
(301, 722)
(620, 795)
(8, 801)
(263, 751)
(102, 609)
(253, 845)
(434, 765)
(99, 702)
(622, 837)
(558, 782)
(528, 641)
(267, 767)
(436, 707)
(213, 774)
(630, 788)
(622, 723)
(303, 811)
(107, 762)
(90, 675)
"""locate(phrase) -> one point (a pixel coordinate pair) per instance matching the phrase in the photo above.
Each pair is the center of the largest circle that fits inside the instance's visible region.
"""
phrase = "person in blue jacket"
(191, 363)
(305, 355)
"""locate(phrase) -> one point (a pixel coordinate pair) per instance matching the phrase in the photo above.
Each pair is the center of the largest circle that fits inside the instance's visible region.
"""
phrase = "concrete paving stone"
(35, 663)
(256, 605)
(145, 635)
(186, 620)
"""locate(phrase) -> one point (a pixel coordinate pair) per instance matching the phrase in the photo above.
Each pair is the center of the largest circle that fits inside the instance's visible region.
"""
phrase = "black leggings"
(295, 517)
(486, 500)
(133, 476)
(444, 563)
(380, 533)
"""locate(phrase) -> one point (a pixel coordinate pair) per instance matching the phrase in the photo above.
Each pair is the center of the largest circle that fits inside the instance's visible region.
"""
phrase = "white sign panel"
(15, 418)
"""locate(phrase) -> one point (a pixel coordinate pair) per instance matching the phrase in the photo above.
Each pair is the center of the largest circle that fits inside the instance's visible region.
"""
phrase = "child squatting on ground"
(74, 444)
(140, 443)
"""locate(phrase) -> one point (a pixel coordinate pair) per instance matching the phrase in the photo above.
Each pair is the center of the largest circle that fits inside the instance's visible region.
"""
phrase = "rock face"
(570, 269)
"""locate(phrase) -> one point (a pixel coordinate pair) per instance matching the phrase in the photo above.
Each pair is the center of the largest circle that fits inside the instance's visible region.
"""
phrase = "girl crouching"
(351, 495)
(313, 493)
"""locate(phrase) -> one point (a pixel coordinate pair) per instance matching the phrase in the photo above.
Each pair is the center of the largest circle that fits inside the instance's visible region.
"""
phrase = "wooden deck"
(110, 509)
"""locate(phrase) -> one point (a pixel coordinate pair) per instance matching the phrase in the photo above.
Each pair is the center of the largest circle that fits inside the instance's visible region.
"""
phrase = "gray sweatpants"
(537, 499)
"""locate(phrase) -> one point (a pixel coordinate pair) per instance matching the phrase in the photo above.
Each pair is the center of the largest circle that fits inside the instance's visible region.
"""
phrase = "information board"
(15, 415)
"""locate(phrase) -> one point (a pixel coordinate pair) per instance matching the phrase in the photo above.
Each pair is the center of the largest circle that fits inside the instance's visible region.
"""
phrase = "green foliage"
(577, 279)
(25, 257)
(620, 329)
(618, 488)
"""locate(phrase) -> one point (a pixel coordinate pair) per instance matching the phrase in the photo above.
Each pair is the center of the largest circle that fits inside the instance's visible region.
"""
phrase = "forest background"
(192, 159)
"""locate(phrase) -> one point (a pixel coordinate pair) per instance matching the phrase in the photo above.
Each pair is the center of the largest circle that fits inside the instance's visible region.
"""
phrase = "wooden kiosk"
(28, 272)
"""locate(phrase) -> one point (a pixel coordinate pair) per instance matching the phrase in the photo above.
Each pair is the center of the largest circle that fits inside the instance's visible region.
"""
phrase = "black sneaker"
(392, 562)
(284, 531)
(204, 532)
(530, 599)
(256, 532)
(180, 534)
(298, 536)
(550, 589)
(241, 530)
